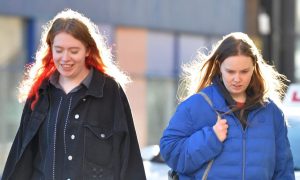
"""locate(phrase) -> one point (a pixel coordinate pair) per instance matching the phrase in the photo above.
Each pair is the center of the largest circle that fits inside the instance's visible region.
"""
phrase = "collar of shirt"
(85, 82)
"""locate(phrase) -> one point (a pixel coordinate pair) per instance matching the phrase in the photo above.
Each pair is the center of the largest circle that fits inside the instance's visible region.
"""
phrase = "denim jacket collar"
(95, 87)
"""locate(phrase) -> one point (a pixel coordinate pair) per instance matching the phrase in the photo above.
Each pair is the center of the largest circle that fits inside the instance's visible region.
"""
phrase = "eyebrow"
(67, 48)
(246, 69)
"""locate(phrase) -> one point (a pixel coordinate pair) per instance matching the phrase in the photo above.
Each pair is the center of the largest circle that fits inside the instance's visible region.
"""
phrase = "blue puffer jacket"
(260, 152)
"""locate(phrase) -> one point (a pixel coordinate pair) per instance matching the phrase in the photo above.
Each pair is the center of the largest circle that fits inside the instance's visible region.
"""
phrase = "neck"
(240, 99)
(68, 84)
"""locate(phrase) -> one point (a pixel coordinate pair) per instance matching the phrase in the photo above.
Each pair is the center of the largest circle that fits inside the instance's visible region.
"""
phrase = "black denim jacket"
(106, 147)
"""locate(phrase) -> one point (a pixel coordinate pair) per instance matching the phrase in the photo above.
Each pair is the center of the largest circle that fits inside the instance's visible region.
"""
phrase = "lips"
(237, 86)
(66, 66)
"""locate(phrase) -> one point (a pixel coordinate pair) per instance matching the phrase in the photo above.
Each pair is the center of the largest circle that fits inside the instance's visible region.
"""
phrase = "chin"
(67, 75)
(236, 91)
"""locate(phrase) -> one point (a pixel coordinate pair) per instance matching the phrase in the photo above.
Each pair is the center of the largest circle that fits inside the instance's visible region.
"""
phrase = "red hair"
(49, 69)
(80, 28)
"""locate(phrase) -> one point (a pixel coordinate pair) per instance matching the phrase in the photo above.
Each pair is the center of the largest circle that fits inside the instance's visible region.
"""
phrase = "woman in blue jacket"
(249, 140)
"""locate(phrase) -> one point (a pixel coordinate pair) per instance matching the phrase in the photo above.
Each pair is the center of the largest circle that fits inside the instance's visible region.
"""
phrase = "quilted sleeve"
(184, 148)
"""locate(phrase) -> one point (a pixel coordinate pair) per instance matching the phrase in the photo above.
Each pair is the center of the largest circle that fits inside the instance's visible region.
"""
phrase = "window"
(12, 60)
(297, 41)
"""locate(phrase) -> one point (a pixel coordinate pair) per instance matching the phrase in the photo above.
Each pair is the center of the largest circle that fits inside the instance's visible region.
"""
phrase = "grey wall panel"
(196, 16)
(160, 54)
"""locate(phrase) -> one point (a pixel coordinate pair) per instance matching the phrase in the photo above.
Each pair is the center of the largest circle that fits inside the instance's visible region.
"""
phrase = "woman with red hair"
(76, 122)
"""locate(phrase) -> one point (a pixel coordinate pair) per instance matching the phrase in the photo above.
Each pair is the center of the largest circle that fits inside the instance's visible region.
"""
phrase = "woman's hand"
(220, 128)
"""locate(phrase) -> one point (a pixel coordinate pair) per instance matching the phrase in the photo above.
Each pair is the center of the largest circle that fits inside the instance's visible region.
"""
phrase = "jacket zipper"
(244, 142)
(244, 153)
(243, 146)
(244, 149)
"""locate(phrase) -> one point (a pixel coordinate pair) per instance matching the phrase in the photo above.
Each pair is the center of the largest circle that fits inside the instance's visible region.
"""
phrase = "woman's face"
(236, 75)
(69, 57)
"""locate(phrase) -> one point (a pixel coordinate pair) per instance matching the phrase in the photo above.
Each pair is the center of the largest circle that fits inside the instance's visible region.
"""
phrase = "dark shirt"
(54, 157)
(240, 111)
(231, 103)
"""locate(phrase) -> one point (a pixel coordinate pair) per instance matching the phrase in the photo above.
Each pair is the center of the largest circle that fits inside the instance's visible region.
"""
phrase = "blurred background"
(150, 40)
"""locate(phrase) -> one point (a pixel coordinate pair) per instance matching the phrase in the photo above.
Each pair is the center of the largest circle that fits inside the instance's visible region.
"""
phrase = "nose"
(65, 56)
(236, 78)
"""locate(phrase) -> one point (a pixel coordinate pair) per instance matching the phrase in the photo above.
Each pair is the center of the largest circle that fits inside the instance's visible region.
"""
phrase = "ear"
(87, 52)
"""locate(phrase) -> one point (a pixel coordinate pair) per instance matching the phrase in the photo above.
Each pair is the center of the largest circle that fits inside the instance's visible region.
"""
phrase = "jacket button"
(70, 158)
(76, 116)
(102, 135)
(83, 99)
(72, 136)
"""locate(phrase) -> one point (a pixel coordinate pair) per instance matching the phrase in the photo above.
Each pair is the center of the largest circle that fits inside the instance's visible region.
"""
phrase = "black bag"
(172, 175)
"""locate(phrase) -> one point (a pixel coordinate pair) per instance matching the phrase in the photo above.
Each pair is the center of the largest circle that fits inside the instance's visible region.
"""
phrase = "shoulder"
(192, 101)
(211, 92)
(112, 86)
(277, 113)
(110, 81)
(196, 101)
(196, 110)
(274, 108)
(107, 82)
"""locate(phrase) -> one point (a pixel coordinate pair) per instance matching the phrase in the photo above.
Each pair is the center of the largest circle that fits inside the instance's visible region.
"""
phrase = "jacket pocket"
(94, 171)
(98, 145)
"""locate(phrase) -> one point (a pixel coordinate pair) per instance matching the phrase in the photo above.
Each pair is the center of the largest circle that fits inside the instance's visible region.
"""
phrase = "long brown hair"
(265, 83)
(81, 28)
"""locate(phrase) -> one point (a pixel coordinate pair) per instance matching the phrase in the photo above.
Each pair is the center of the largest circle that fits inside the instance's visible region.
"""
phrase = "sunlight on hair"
(199, 73)
(106, 60)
